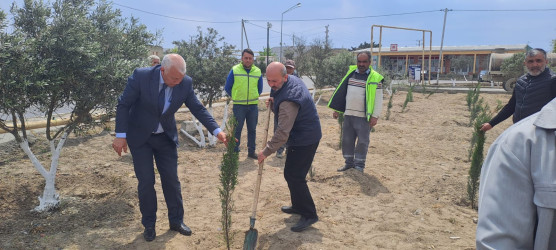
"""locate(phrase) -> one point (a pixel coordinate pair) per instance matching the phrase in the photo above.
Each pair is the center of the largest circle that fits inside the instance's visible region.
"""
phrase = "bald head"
(276, 75)
(276, 67)
(172, 69)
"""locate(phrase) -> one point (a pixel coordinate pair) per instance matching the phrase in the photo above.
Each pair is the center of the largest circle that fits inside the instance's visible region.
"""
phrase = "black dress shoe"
(149, 234)
(181, 228)
(304, 223)
(253, 155)
(289, 210)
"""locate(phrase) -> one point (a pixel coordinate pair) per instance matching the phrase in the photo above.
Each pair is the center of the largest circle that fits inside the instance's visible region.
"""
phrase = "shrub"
(228, 179)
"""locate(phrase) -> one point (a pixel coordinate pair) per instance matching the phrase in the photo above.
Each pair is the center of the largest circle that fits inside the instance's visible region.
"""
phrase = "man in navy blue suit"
(145, 121)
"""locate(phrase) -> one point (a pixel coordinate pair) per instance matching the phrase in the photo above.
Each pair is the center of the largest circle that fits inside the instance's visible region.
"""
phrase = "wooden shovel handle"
(260, 171)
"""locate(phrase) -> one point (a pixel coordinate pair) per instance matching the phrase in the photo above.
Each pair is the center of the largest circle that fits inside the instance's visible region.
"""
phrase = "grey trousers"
(355, 140)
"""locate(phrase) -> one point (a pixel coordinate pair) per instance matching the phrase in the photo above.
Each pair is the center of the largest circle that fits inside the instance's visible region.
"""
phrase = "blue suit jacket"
(137, 110)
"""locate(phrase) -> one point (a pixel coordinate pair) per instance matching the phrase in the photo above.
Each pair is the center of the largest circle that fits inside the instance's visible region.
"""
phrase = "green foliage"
(479, 114)
(364, 45)
(209, 59)
(334, 69)
(469, 97)
(554, 46)
(228, 181)
(70, 56)
(513, 67)
(74, 54)
(390, 104)
(461, 62)
(289, 53)
(386, 82)
(261, 60)
(314, 63)
(408, 97)
(499, 106)
(477, 155)
(476, 112)
(476, 104)
(266, 52)
(301, 57)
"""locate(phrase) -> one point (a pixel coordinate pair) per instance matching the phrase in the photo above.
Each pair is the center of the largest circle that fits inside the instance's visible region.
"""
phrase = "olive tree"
(318, 52)
(73, 55)
(335, 68)
(300, 49)
(513, 67)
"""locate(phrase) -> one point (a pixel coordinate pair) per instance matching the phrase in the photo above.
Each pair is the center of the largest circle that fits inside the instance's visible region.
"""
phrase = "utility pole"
(441, 46)
(241, 35)
(326, 41)
(268, 26)
(281, 24)
(418, 43)
(245, 32)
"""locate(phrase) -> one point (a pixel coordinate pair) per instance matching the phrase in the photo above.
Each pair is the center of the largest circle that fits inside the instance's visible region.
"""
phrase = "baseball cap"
(290, 63)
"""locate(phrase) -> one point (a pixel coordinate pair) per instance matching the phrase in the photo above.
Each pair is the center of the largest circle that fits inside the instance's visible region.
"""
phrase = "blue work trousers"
(249, 113)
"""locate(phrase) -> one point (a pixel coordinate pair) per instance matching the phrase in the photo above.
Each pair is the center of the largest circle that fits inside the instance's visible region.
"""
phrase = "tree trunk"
(50, 199)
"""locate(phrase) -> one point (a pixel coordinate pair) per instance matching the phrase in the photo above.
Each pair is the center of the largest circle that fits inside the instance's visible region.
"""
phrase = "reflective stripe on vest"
(245, 89)
(371, 85)
(370, 93)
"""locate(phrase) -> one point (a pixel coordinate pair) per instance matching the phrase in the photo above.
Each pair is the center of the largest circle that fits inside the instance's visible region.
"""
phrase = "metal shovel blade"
(250, 242)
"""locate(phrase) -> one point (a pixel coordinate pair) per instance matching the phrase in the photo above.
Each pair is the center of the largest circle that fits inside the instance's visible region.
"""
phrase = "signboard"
(394, 47)
(414, 73)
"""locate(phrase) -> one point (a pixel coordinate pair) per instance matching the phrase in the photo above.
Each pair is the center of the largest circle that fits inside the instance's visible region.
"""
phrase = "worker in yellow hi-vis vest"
(359, 98)
(244, 84)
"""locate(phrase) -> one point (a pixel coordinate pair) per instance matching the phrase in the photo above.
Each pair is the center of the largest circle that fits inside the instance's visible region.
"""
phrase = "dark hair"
(247, 51)
(366, 53)
(534, 52)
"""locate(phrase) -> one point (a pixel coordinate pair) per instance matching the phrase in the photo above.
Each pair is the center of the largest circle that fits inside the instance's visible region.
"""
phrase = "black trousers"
(164, 151)
(298, 163)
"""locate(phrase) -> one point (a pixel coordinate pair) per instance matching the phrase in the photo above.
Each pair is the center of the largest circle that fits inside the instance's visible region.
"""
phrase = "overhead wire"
(171, 17)
(334, 18)
(526, 10)
(252, 21)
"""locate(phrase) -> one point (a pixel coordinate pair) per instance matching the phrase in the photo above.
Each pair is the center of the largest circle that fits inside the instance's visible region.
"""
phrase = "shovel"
(251, 236)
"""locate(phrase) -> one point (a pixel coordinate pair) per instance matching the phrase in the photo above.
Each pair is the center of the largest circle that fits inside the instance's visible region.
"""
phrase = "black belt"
(157, 134)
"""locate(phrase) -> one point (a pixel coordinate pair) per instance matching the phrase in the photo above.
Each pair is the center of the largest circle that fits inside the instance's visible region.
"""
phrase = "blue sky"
(465, 24)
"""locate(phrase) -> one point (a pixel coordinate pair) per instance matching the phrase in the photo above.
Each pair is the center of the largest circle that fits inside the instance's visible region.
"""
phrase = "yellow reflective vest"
(338, 100)
(245, 90)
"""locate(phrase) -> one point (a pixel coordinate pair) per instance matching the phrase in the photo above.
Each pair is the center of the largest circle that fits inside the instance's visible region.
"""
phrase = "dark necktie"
(161, 99)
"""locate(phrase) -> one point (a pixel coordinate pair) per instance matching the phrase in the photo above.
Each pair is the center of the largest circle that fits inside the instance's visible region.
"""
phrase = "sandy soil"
(411, 196)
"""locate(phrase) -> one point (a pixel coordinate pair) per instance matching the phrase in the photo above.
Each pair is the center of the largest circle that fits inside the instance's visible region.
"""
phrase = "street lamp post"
(281, 22)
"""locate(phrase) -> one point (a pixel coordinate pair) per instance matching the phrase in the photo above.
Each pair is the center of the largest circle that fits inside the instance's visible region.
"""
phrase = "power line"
(348, 18)
(331, 19)
(278, 32)
(527, 10)
(177, 18)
